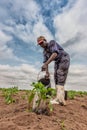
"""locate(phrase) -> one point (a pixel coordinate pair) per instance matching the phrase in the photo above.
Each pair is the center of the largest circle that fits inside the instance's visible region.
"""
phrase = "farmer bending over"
(52, 51)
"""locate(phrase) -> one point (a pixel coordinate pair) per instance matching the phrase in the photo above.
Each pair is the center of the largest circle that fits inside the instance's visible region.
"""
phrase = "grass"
(9, 92)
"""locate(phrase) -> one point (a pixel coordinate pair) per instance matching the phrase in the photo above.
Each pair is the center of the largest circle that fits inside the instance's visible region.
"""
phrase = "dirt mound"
(15, 116)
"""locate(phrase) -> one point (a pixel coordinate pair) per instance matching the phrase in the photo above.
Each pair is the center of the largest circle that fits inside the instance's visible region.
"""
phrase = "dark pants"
(61, 70)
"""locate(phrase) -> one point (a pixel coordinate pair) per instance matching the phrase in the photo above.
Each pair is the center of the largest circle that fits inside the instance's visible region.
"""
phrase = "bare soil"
(15, 116)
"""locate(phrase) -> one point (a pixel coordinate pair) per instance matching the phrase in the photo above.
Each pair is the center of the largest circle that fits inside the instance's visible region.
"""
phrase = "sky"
(21, 22)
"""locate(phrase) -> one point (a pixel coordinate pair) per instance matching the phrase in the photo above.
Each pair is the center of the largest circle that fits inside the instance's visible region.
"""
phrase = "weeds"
(8, 94)
(72, 94)
(23, 97)
(63, 126)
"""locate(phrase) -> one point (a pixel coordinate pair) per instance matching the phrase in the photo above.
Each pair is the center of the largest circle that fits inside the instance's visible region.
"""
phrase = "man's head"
(41, 40)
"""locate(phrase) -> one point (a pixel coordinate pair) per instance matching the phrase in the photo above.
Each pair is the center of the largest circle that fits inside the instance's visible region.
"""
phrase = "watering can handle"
(38, 75)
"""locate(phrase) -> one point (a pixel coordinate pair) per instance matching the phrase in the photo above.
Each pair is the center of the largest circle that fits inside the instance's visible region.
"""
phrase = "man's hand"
(44, 67)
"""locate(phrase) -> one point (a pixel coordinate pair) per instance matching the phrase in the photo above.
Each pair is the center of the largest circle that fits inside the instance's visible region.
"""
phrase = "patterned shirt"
(52, 47)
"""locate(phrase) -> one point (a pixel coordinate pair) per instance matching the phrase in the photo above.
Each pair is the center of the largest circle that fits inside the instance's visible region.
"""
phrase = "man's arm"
(52, 57)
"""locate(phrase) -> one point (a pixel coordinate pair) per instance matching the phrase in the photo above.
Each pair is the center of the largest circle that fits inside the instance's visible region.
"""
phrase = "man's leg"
(60, 76)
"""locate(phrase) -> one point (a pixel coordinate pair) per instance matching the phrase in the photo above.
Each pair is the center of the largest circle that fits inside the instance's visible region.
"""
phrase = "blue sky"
(21, 22)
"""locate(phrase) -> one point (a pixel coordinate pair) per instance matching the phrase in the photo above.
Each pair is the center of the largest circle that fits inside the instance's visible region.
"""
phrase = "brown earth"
(15, 116)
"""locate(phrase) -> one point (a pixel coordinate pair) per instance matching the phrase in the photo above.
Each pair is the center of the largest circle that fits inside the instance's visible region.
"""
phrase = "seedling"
(44, 95)
(72, 94)
(63, 126)
(8, 94)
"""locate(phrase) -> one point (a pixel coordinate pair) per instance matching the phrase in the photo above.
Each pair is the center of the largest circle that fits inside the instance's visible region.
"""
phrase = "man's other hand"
(44, 67)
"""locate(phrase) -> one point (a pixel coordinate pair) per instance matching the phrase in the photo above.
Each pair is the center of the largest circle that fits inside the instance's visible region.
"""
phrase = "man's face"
(43, 44)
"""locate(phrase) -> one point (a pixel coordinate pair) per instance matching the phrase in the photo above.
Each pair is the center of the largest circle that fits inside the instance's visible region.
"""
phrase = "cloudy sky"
(21, 22)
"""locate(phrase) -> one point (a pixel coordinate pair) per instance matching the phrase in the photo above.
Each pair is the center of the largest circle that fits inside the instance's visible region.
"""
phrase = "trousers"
(61, 70)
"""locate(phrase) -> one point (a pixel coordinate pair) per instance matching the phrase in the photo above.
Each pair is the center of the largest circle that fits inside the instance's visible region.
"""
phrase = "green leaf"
(30, 98)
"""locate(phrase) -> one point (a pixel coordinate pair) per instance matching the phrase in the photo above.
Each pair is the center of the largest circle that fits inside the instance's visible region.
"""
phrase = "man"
(52, 51)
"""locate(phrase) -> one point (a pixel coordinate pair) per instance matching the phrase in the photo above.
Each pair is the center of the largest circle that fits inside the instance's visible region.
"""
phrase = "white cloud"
(5, 52)
(20, 10)
(4, 38)
(71, 21)
(30, 12)
(77, 78)
(41, 29)
(71, 30)
(28, 8)
(21, 76)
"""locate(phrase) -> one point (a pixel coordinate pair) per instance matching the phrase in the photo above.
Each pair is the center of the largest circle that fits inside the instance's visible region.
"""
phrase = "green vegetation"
(42, 91)
(8, 94)
(23, 97)
(62, 125)
(43, 94)
(72, 94)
